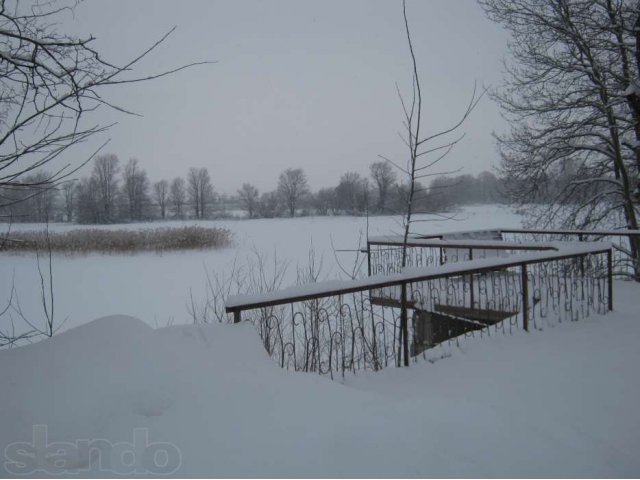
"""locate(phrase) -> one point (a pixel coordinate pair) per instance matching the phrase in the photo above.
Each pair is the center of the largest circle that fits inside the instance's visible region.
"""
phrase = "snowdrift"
(208, 401)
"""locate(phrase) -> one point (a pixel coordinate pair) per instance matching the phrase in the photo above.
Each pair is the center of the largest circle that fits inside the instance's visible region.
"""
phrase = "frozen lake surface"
(157, 288)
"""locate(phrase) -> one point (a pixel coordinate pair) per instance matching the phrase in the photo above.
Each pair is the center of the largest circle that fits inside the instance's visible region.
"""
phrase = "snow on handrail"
(397, 240)
(311, 291)
(595, 233)
(548, 231)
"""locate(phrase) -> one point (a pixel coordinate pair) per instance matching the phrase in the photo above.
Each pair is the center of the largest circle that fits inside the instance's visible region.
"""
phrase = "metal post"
(471, 296)
(404, 324)
(525, 299)
(237, 316)
(369, 257)
(610, 278)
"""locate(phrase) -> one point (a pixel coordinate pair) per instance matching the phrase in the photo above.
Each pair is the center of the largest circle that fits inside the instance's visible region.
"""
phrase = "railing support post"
(237, 316)
(404, 324)
(471, 296)
(610, 278)
(525, 299)
(369, 257)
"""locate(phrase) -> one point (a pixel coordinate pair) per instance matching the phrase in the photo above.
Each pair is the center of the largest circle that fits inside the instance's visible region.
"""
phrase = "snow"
(157, 288)
(489, 233)
(556, 403)
(598, 232)
(560, 403)
(476, 244)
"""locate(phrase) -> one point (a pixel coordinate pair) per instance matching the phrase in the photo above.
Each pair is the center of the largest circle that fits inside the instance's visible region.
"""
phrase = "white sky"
(307, 84)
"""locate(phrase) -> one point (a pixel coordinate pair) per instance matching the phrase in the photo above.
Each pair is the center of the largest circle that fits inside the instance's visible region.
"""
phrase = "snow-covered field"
(157, 288)
(114, 396)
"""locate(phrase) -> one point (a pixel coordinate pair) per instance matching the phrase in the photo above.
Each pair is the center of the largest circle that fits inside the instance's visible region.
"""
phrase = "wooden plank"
(485, 315)
(390, 302)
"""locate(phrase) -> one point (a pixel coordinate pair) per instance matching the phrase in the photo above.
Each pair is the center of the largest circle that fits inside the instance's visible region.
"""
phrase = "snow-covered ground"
(114, 395)
(157, 288)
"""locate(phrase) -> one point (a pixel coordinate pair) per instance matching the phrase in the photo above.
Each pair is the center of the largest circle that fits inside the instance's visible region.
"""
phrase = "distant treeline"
(113, 193)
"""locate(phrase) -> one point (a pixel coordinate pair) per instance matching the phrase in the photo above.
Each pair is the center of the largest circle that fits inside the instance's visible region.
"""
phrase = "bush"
(119, 241)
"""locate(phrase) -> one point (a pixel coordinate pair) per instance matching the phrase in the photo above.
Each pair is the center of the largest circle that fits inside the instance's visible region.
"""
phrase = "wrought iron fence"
(335, 327)
(384, 254)
(625, 244)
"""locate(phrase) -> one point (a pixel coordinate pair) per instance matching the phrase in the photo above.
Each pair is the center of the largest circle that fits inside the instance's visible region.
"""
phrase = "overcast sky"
(307, 84)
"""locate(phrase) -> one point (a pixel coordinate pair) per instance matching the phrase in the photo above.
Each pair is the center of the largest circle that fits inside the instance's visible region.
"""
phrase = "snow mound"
(101, 378)
(557, 403)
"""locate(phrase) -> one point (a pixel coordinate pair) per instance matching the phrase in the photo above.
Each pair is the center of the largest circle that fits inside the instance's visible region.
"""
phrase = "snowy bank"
(562, 402)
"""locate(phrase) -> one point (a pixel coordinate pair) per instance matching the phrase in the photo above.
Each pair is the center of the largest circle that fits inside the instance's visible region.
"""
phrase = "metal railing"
(384, 253)
(335, 327)
(625, 244)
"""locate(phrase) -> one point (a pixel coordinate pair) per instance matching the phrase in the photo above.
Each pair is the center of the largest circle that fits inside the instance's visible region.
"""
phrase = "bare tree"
(87, 209)
(33, 200)
(249, 197)
(572, 96)
(199, 190)
(161, 194)
(384, 177)
(324, 201)
(104, 175)
(193, 191)
(69, 197)
(135, 186)
(178, 196)
(352, 193)
(50, 80)
(292, 187)
(44, 200)
(270, 205)
(424, 152)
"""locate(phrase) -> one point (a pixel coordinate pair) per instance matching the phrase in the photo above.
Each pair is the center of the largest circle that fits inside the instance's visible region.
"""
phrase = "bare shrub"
(258, 274)
(86, 241)
(19, 329)
(324, 335)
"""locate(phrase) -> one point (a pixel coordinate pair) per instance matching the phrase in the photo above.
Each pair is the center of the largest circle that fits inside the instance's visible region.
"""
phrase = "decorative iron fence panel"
(356, 325)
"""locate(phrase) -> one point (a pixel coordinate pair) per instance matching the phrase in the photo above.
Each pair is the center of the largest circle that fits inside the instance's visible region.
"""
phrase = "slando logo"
(122, 458)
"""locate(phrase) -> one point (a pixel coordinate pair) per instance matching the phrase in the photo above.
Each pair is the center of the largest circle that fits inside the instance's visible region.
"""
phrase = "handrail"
(550, 231)
(339, 326)
(595, 233)
(238, 303)
(461, 244)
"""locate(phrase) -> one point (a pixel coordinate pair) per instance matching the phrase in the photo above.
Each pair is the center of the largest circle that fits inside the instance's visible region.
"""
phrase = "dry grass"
(86, 241)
